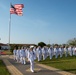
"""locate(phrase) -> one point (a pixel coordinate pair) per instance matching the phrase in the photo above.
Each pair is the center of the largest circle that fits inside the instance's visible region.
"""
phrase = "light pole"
(0, 48)
(9, 32)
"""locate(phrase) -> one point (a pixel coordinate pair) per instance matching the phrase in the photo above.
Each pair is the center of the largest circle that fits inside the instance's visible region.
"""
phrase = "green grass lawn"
(3, 69)
(64, 63)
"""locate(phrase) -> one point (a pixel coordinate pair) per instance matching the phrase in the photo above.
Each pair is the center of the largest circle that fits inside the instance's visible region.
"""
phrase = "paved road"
(38, 70)
(19, 69)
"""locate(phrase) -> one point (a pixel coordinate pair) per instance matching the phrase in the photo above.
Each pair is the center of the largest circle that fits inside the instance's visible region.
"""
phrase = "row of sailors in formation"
(43, 53)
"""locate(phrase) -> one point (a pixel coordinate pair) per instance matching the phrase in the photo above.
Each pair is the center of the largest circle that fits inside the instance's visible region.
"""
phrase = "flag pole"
(9, 30)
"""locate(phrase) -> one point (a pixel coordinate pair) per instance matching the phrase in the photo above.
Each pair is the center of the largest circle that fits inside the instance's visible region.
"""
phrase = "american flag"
(17, 9)
(19, 6)
(12, 10)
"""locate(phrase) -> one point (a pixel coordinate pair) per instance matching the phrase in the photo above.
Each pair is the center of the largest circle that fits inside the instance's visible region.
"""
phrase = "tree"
(72, 42)
(14, 46)
(48, 45)
(42, 44)
(56, 45)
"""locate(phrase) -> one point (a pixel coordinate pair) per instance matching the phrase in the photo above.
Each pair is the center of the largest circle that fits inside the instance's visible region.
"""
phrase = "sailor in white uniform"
(60, 51)
(56, 52)
(47, 54)
(31, 58)
(22, 55)
(14, 54)
(44, 54)
(75, 51)
(70, 51)
(50, 51)
(35, 56)
(18, 54)
(39, 53)
(66, 51)
(26, 51)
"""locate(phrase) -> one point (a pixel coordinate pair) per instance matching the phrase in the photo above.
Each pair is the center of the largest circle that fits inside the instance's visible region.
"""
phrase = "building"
(4, 46)
(24, 45)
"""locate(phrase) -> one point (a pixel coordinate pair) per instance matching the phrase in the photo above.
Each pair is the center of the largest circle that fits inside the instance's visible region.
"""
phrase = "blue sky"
(42, 20)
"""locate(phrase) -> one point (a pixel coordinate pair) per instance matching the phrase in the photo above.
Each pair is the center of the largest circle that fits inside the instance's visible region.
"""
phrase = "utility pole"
(0, 48)
(49, 41)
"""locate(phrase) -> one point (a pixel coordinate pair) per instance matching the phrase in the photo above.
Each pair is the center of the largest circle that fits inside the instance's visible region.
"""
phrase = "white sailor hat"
(31, 46)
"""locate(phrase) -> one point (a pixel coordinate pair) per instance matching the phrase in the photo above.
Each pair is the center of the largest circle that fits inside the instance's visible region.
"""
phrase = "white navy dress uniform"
(39, 53)
(27, 54)
(56, 52)
(14, 53)
(60, 52)
(46, 50)
(26, 51)
(44, 53)
(50, 51)
(22, 56)
(70, 51)
(75, 51)
(18, 55)
(66, 51)
(31, 59)
(34, 49)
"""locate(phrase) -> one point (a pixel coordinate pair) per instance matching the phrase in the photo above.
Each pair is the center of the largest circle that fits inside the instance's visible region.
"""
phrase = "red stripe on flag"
(19, 6)
(19, 11)
(12, 11)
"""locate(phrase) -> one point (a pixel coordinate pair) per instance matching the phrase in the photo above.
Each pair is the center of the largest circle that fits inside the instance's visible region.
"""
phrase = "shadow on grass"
(69, 70)
(46, 71)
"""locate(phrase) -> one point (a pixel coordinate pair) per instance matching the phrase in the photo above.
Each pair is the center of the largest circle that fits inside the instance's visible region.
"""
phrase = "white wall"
(4, 47)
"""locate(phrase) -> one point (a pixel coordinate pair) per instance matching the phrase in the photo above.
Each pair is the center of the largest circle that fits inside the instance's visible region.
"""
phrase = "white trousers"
(44, 56)
(31, 66)
(23, 60)
(70, 53)
(18, 58)
(39, 57)
(50, 55)
(61, 54)
(56, 54)
(66, 53)
(15, 57)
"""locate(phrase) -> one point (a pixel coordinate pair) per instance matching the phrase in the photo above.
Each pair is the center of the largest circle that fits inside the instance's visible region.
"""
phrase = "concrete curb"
(54, 69)
(11, 68)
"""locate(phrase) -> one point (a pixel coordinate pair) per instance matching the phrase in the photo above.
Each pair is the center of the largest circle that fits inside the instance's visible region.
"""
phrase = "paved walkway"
(19, 69)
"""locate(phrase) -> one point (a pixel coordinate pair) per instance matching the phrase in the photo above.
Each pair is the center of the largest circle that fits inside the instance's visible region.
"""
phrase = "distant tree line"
(71, 42)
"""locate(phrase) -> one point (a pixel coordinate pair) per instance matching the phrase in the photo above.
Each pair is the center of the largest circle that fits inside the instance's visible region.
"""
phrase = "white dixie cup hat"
(31, 46)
